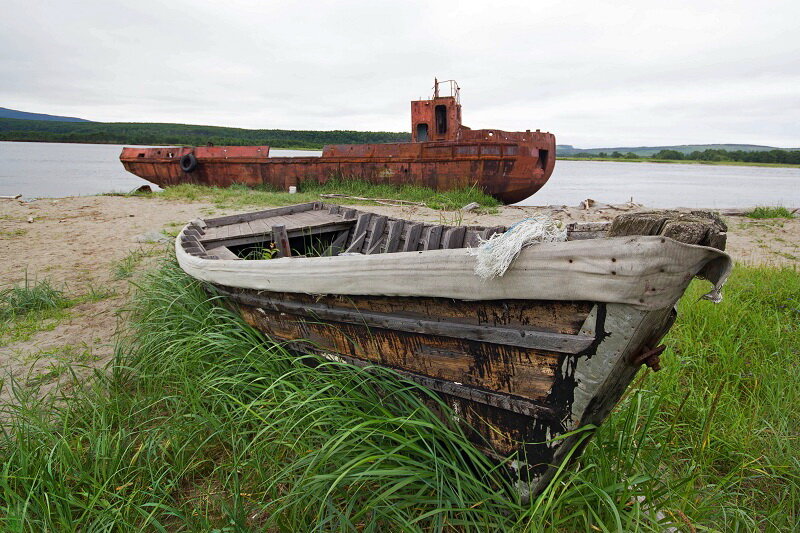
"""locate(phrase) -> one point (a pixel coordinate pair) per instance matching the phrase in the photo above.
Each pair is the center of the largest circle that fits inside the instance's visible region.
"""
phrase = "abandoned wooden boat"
(522, 359)
(443, 154)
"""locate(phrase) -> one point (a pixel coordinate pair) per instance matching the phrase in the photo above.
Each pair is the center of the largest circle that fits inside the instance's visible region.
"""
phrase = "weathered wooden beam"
(587, 230)
(266, 236)
(697, 227)
(488, 232)
(412, 237)
(357, 243)
(362, 223)
(223, 252)
(524, 338)
(190, 240)
(281, 240)
(431, 238)
(472, 238)
(507, 369)
(454, 237)
(372, 245)
(194, 250)
(191, 232)
(247, 217)
(508, 402)
(393, 235)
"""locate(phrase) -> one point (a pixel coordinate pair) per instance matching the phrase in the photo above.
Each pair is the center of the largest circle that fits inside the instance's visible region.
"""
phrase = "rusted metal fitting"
(649, 357)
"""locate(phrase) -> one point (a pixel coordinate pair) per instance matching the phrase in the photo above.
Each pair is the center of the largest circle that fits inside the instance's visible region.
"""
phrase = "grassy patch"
(32, 307)
(60, 360)
(242, 196)
(13, 233)
(30, 297)
(770, 212)
(171, 229)
(96, 294)
(67, 353)
(201, 424)
(125, 267)
(23, 327)
(29, 308)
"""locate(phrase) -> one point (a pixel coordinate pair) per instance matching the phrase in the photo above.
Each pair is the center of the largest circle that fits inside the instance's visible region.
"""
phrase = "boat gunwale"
(647, 272)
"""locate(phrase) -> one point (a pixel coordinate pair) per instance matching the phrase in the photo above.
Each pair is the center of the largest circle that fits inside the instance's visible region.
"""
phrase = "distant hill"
(647, 151)
(22, 126)
(24, 115)
(182, 134)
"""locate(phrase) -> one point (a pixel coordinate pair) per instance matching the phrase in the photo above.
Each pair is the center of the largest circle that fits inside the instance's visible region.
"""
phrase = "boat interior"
(318, 229)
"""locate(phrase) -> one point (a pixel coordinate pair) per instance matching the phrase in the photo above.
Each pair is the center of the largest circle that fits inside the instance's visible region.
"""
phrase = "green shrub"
(770, 212)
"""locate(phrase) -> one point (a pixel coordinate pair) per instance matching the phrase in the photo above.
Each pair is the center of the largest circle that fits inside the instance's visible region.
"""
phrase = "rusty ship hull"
(443, 154)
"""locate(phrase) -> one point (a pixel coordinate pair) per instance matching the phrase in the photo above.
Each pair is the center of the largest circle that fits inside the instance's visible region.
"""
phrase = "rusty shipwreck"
(443, 154)
(524, 360)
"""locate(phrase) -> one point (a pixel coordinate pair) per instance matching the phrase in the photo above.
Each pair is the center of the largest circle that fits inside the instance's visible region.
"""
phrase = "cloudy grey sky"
(594, 73)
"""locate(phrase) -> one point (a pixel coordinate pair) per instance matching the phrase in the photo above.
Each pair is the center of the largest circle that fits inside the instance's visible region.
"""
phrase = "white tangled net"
(495, 255)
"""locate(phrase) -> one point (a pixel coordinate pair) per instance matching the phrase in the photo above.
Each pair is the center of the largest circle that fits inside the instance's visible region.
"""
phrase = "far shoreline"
(558, 158)
(675, 161)
(132, 144)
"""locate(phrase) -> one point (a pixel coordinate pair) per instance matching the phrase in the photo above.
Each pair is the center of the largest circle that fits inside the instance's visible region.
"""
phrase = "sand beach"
(89, 243)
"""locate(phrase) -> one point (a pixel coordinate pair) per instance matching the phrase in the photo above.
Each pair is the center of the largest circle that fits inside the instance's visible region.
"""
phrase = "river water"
(54, 170)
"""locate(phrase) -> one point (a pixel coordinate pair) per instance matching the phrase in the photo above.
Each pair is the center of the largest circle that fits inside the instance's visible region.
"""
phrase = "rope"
(495, 255)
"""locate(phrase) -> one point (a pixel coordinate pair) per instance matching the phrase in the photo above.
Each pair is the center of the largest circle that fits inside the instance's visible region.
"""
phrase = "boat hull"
(512, 400)
(524, 361)
(510, 171)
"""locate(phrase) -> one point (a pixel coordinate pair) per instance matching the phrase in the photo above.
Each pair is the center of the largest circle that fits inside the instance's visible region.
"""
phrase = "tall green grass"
(242, 196)
(30, 296)
(199, 425)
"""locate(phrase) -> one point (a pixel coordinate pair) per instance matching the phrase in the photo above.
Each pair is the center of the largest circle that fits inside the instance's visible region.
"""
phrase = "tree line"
(183, 134)
(790, 157)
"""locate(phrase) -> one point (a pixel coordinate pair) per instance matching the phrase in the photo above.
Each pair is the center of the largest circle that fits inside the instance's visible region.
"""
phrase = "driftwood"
(383, 201)
(15, 197)
(696, 227)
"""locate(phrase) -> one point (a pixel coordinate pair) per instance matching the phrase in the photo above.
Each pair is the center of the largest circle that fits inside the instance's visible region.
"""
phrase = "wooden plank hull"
(512, 400)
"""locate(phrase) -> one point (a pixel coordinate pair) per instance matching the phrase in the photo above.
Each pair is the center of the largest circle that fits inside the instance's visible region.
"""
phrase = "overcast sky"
(593, 73)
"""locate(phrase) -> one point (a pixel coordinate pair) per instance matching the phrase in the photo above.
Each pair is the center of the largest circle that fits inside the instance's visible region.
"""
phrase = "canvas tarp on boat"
(646, 272)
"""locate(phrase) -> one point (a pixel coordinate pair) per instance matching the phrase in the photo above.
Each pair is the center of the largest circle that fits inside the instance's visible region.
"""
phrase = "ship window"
(438, 151)
(490, 150)
(422, 132)
(510, 150)
(543, 156)
(441, 119)
(466, 150)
